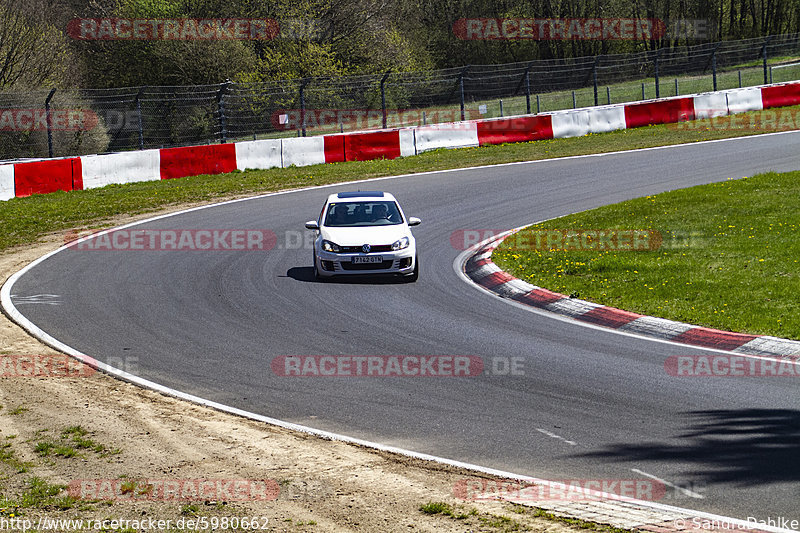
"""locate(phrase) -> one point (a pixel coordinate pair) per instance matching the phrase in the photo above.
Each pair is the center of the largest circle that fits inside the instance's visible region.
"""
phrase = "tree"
(33, 51)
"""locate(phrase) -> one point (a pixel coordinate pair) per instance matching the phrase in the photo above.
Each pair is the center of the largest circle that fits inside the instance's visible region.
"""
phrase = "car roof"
(360, 196)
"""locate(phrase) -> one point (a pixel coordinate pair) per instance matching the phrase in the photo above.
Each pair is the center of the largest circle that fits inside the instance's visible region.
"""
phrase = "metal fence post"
(383, 96)
(139, 117)
(49, 122)
(714, 65)
(221, 107)
(608, 94)
(538, 107)
(764, 56)
(303, 105)
(528, 88)
(655, 64)
(461, 89)
(594, 78)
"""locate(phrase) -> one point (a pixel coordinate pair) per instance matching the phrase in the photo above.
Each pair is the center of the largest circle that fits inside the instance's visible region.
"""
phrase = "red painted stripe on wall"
(514, 130)
(42, 177)
(374, 145)
(334, 148)
(780, 95)
(196, 160)
(659, 112)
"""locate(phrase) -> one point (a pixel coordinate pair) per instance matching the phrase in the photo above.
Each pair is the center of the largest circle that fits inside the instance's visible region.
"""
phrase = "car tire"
(414, 276)
(317, 277)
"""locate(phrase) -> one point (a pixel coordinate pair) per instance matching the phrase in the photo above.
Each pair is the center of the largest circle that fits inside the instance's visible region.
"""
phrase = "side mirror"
(312, 224)
(414, 221)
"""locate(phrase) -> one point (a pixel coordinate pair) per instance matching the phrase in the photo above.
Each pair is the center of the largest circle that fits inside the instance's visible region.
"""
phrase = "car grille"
(374, 248)
(347, 265)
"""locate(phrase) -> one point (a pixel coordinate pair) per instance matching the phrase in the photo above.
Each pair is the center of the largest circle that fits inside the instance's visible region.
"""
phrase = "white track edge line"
(10, 310)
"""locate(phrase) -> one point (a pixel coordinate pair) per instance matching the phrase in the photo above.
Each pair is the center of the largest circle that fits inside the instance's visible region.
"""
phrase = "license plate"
(357, 259)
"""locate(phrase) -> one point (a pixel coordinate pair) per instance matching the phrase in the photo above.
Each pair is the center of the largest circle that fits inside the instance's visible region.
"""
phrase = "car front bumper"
(393, 262)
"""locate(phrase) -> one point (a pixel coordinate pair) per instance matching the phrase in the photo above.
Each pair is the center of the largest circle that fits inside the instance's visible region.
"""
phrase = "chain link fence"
(48, 123)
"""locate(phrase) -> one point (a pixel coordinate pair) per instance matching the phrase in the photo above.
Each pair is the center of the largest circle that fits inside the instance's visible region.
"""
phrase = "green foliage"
(33, 51)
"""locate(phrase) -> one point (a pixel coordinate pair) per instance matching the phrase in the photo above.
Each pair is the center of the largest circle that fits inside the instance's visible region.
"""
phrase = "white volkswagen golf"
(364, 232)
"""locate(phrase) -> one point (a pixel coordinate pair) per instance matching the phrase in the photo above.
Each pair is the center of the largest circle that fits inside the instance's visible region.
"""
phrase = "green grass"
(9, 457)
(72, 441)
(437, 508)
(39, 494)
(729, 259)
(26, 220)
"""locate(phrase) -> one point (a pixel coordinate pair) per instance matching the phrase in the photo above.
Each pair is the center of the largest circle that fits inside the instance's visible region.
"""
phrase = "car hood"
(373, 235)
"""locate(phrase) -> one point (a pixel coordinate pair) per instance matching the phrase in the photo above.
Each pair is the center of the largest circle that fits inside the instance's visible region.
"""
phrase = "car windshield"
(371, 213)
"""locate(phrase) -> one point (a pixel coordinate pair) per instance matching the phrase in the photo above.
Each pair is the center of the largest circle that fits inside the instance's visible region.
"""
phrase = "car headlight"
(400, 244)
(329, 246)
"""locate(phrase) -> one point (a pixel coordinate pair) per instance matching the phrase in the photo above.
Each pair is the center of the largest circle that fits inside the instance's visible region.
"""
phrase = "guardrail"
(85, 172)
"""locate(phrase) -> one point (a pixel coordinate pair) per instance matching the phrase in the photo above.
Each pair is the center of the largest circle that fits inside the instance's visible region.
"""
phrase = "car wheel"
(316, 270)
(414, 276)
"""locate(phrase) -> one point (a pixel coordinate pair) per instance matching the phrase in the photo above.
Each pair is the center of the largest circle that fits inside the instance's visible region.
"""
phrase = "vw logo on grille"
(365, 248)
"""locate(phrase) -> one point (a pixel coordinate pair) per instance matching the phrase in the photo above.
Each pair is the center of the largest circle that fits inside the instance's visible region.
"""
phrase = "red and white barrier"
(455, 135)
(372, 145)
(606, 118)
(570, 123)
(783, 95)
(515, 129)
(261, 154)
(743, 100)
(408, 142)
(49, 175)
(666, 111)
(710, 105)
(334, 148)
(43, 176)
(195, 160)
(123, 167)
(6, 182)
(303, 151)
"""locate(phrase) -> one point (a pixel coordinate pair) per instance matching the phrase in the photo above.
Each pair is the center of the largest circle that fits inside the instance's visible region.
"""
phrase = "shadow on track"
(745, 447)
(306, 274)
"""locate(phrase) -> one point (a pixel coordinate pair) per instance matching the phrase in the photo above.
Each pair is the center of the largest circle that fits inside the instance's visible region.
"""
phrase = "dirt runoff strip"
(121, 458)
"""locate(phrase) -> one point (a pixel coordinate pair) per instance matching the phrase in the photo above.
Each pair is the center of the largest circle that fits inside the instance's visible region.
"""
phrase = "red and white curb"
(480, 268)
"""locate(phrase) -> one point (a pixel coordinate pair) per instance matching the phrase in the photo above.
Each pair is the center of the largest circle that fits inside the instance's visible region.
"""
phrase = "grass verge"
(25, 220)
(728, 258)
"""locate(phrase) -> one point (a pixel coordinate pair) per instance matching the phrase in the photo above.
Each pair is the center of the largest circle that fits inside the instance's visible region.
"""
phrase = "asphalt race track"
(592, 404)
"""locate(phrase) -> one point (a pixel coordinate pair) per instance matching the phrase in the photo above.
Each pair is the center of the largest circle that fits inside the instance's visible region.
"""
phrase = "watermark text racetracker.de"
(388, 366)
(37, 120)
(193, 29)
(594, 29)
(482, 489)
(581, 239)
(173, 240)
(764, 120)
(226, 490)
(44, 366)
(731, 366)
(60, 365)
